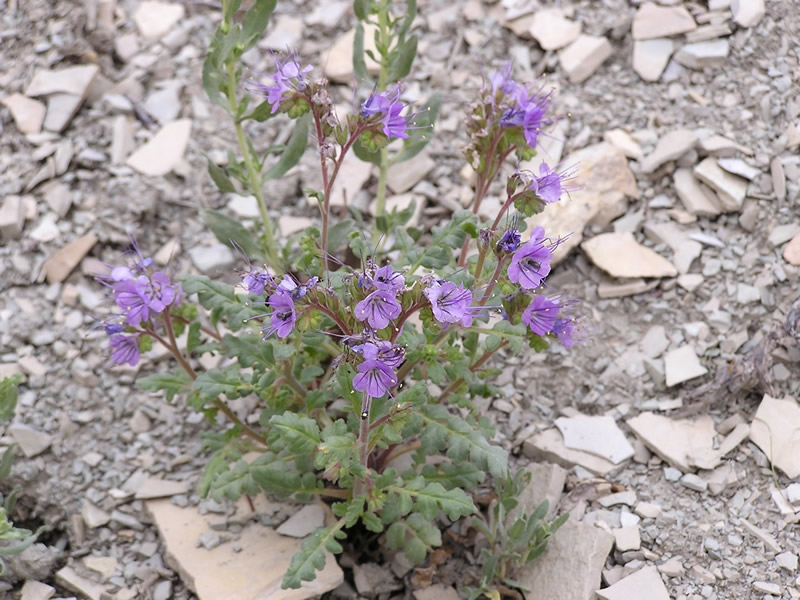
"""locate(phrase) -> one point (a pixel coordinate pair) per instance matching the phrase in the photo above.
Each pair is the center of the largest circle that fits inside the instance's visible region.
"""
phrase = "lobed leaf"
(300, 435)
(311, 558)
(171, 383)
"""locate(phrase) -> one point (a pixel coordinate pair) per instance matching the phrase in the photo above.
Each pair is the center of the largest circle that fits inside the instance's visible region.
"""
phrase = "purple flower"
(388, 107)
(124, 349)
(563, 329)
(509, 241)
(378, 309)
(549, 185)
(129, 298)
(541, 315)
(501, 81)
(254, 282)
(289, 77)
(386, 278)
(450, 302)
(296, 290)
(383, 351)
(157, 291)
(530, 264)
(283, 316)
(528, 113)
(374, 378)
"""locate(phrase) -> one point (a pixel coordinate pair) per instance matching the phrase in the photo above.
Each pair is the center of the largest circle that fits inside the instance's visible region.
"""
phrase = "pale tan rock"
(153, 487)
(437, 591)
(105, 565)
(631, 287)
(70, 579)
(547, 483)
(353, 174)
(748, 13)
(61, 108)
(58, 197)
(578, 549)
(791, 252)
(93, 516)
(712, 53)
(778, 178)
(303, 522)
(164, 151)
(627, 538)
(624, 142)
(552, 30)
(584, 56)
(405, 175)
(167, 252)
(290, 224)
(122, 141)
(598, 435)
(31, 442)
(697, 198)
(28, 114)
(607, 181)
(74, 81)
(674, 441)
(58, 267)
(338, 60)
(12, 218)
(620, 255)
(682, 364)
(670, 146)
(253, 573)
(155, 19)
(653, 21)
(718, 145)
(549, 446)
(774, 430)
(35, 590)
(644, 583)
(730, 189)
(650, 57)
(711, 458)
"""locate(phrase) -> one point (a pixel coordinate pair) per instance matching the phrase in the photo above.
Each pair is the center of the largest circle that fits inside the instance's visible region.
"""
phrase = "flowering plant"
(365, 351)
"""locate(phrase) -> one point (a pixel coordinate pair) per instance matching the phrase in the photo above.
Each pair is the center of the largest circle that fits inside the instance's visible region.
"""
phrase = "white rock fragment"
(628, 498)
(698, 199)
(70, 579)
(28, 114)
(653, 21)
(670, 146)
(778, 178)
(105, 565)
(711, 458)
(211, 259)
(767, 587)
(747, 294)
(748, 13)
(788, 561)
(774, 430)
(627, 538)
(791, 252)
(738, 167)
(73, 81)
(404, 176)
(730, 189)
(353, 175)
(164, 103)
(672, 568)
(620, 255)
(682, 364)
(59, 266)
(549, 446)
(12, 218)
(693, 482)
(552, 30)
(164, 151)
(155, 19)
(339, 60)
(584, 56)
(303, 522)
(718, 145)
(674, 441)
(650, 57)
(153, 487)
(547, 483)
(597, 435)
(644, 583)
(289, 225)
(646, 510)
(31, 442)
(654, 342)
(769, 541)
(780, 234)
(35, 590)
(623, 142)
(700, 55)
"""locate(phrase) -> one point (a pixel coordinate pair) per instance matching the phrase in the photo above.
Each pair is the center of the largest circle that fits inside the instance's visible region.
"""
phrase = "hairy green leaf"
(171, 383)
(220, 177)
(255, 21)
(249, 349)
(9, 391)
(228, 230)
(311, 558)
(400, 65)
(289, 430)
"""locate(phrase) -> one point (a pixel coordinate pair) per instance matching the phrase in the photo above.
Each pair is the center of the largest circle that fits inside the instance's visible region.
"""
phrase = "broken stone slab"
(338, 60)
(31, 442)
(61, 108)
(73, 81)
(624, 142)
(70, 579)
(105, 565)
(122, 139)
(12, 218)
(644, 583)
(674, 441)
(437, 591)
(774, 430)
(682, 364)
(652, 21)
(164, 104)
(698, 199)
(700, 55)
(730, 189)
(670, 146)
(778, 178)
(598, 435)
(58, 197)
(405, 175)
(627, 538)
(549, 446)
(289, 225)
(28, 114)
(722, 478)
(769, 540)
(579, 549)
(153, 487)
(164, 151)
(584, 56)
(780, 234)
(748, 13)
(650, 57)
(303, 522)
(155, 19)
(738, 167)
(654, 342)
(35, 590)
(59, 266)
(718, 145)
(791, 252)
(620, 255)
(353, 175)
(708, 32)
(252, 573)
(547, 483)
(552, 30)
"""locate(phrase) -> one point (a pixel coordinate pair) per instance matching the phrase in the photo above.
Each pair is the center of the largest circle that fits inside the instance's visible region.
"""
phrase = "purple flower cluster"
(524, 108)
(451, 303)
(380, 307)
(544, 315)
(530, 264)
(386, 106)
(281, 297)
(289, 77)
(549, 184)
(376, 373)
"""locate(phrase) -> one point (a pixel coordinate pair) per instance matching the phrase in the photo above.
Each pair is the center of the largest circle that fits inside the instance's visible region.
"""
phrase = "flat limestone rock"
(74, 81)
(748, 13)
(584, 56)
(597, 435)
(35, 590)
(552, 30)
(303, 522)
(404, 176)
(28, 114)
(698, 199)
(624, 142)
(70, 579)
(353, 174)
(620, 255)
(549, 446)
(650, 57)
(253, 573)
(60, 110)
(791, 252)
(682, 364)
(59, 266)
(571, 566)
(607, 181)
(653, 21)
(153, 487)
(338, 60)
(12, 217)
(164, 150)
(547, 483)
(774, 430)
(670, 146)
(711, 53)
(731, 189)
(674, 441)
(711, 459)
(155, 19)
(31, 442)
(644, 583)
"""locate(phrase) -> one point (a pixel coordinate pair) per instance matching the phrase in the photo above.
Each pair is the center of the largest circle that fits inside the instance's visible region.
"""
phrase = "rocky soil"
(670, 434)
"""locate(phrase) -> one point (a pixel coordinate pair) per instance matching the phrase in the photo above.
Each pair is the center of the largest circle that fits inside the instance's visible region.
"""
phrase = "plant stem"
(253, 174)
(493, 281)
(473, 367)
(360, 485)
(292, 380)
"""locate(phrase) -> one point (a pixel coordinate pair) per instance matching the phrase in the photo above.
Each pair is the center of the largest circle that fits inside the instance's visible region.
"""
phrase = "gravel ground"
(101, 437)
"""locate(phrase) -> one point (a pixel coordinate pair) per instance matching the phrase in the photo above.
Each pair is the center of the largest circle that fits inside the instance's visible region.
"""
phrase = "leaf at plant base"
(220, 177)
(9, 392)
(255, 21)
(463, 475)
(290, 430)
(414, 144)
(294, 149)
(365, 154)
(228, 230)
(416, 535)
(6, 462)
(311, 558)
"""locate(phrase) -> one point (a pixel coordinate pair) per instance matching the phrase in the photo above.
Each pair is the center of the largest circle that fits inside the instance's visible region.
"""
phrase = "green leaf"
(249, 349)
(339, 233)
(289, 430)
(311, 558)
(172, 383)
(416, 535)
(230, 9)
(366, 155)
(9, 392)
(212, 76)
(433, 497)
(361, 9)
(411, 13)
(6, 462)
(294, 149)
(359, 62)
(193, 339)
(400, 65)
(261, 113)
(229, 381)
(220, 177)
(255, 21)
(228, 230)
(461, 475)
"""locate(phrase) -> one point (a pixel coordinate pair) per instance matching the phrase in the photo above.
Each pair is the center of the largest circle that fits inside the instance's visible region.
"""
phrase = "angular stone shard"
(547, 483)
(31, 442)
(553, 30)
(584, 56)
(700, 55)
(644, 583)
(164, 150)
(598, 435)
(74, 81)
(730, 189)
(620, 255)
(670, 146)
(549, 446)
(650, 57)
(653, 21)
(623, 142)
(748, 13)
(674, 441)
(155, 19)
(28, 114)
(775, 430)
(682, 364)
(696, 198)
(12, 218)
(59, 266)
(153, 487)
